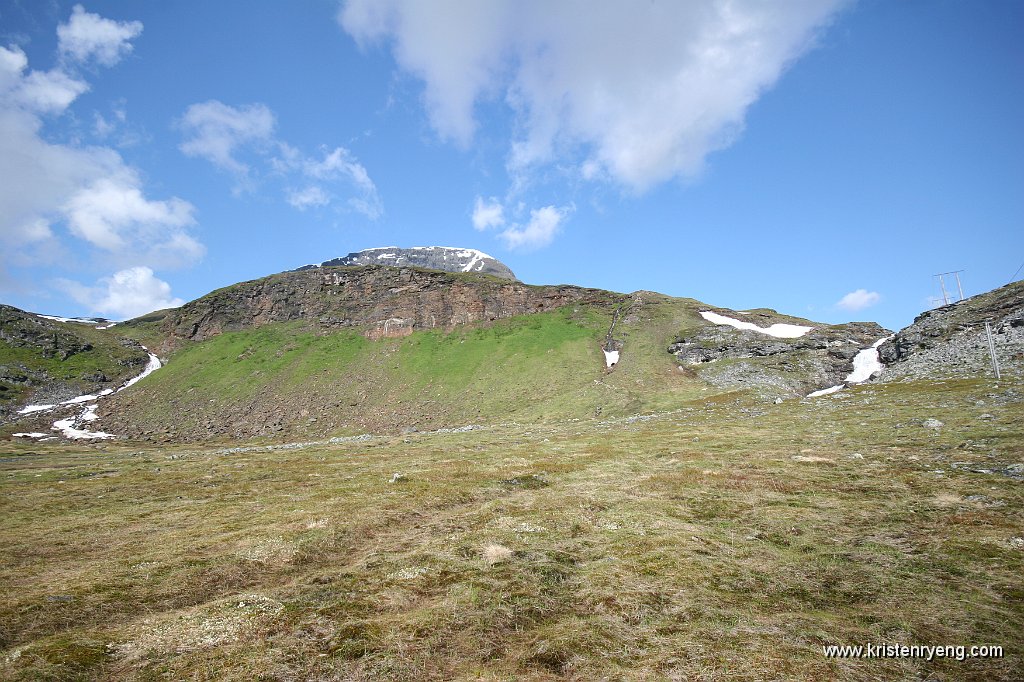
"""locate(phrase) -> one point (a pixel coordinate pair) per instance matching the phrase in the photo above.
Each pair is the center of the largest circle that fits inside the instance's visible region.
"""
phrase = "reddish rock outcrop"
(387, 302)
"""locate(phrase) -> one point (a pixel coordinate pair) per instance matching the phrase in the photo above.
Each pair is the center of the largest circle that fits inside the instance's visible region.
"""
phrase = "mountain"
(741, 350)
(445, 258)
(595, 472)
(348, 349)
(336, 350)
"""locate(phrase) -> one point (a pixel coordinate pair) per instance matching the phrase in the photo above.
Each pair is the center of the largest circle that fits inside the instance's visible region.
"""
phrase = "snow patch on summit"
(446, 258)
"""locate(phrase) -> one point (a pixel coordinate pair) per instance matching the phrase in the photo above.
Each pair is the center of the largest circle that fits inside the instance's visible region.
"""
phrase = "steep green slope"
(287, 377)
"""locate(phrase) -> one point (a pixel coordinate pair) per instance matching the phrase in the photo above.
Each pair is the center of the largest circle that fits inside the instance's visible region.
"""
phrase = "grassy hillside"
(724, 540)
(286, 377)
(298, 379)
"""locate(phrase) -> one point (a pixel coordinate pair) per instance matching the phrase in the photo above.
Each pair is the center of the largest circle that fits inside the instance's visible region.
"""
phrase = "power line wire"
(1015, 274)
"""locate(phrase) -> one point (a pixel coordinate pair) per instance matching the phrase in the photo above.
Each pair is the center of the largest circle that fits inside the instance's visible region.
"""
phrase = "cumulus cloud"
(340, 165)
(113, 214)
(488, 214)
(125, 294)
(538, 232)
(48, 92)
(858, 300)
(89, 36)
(221, 133)
(635, 92)
(52, 191)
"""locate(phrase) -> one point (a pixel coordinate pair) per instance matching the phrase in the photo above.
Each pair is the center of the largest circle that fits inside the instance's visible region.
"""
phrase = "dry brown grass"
(703, 544)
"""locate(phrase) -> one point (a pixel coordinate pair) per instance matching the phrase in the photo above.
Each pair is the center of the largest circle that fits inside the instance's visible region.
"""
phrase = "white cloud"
(220, 133)
(87, 36)
(215, 131)
(456, 47)
(126, 294)
(104, 127)
(341, 165)
(51, 192)
(44, 92)
(858, 300)
(542, 227)
(308, 197)
(636, 92)
(539, 230)
(112, 214)
(488, 214)
(50, 91)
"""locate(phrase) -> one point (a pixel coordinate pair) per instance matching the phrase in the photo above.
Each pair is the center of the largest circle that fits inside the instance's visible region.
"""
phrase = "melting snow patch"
(472, 261)
(866, 363)
(826, 391)
(611, 358)
(778, 330)
(68, 429)
(79, 320)
(29, 409)
(80, 399)
(153, 365)
(34, 434)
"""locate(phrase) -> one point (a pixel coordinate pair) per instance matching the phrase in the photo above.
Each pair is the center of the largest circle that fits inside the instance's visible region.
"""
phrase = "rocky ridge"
(446, 258)
(950, 341)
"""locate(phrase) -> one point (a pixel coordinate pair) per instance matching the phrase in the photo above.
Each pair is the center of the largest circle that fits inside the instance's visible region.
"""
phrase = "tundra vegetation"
(305, 499)
(727, 538)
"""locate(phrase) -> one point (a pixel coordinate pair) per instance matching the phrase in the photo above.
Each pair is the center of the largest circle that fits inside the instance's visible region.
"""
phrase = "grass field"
(724, 539)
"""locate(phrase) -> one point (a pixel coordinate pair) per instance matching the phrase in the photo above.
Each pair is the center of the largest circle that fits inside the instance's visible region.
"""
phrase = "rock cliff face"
(950, 341)
(384, 301)
(444, 258)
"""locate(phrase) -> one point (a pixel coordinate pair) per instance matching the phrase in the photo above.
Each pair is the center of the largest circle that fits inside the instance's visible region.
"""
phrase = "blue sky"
(820, 157)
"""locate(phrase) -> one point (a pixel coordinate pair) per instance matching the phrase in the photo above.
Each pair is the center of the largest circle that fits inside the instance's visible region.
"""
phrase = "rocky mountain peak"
(446, 258)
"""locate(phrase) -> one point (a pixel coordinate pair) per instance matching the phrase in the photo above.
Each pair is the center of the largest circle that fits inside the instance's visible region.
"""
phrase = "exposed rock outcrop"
(733, 358)
(950, 341)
